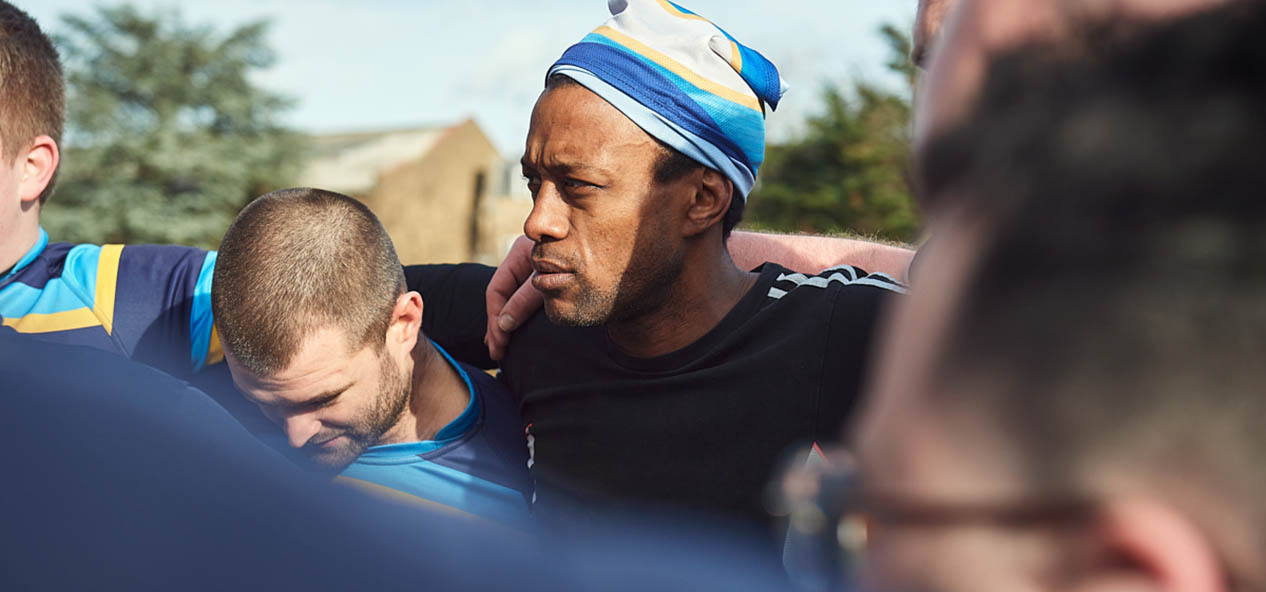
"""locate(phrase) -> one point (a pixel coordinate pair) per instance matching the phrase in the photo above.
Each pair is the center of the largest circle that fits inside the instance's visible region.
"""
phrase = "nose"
(300, 428)
(548, 220)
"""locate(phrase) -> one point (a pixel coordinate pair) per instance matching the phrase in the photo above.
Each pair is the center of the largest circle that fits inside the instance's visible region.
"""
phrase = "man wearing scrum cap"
(665, 375)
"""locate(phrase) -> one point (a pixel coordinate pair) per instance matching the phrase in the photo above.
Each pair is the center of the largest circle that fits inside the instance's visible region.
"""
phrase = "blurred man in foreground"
(149, 485)
(1072, 400)
(321, 334)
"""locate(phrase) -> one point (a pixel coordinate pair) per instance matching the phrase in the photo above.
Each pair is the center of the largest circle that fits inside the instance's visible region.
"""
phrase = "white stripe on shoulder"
(881, 283)
(877, 280)
(885, 277)
(852, 271)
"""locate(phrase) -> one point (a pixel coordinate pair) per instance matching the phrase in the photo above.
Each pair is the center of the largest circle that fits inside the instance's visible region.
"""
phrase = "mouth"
(325, 444)
(543, 266)
(549, 276)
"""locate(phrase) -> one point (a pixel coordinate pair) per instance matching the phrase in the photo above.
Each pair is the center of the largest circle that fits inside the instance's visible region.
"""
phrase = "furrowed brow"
(562, 167)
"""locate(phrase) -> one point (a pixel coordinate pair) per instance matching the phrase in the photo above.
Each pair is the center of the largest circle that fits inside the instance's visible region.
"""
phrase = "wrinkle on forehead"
(579, 128)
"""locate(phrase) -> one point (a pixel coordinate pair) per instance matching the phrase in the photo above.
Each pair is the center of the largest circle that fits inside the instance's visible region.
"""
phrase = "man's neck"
(15, 244)
(709, 287)
(439, 396)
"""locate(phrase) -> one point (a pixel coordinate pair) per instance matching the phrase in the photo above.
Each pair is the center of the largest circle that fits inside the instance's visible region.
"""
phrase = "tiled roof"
(351, 162)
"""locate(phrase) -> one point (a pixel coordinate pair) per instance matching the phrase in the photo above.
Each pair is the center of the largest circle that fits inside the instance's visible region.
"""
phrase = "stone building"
(445, 194)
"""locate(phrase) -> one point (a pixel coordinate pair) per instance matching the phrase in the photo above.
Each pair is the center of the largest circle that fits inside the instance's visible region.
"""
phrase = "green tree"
(848, 172)
(167, 136)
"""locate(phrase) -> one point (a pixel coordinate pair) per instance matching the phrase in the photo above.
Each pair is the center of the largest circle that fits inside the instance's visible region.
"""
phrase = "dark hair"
(671, 165)
(295, 261)
(1115, 312)
(32, 92)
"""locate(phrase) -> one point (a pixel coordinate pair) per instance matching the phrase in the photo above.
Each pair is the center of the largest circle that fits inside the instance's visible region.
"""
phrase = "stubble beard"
(368, 429)
(645, 285)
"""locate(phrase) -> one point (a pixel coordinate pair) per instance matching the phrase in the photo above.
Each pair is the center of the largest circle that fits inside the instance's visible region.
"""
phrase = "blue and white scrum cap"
(683, 80)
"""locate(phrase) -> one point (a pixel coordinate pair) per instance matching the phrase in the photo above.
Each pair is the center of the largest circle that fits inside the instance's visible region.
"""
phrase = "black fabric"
(453, 313)
(705, 427)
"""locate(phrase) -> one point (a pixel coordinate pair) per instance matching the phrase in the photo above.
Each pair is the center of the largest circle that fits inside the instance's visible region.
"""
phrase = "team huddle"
(637, 355)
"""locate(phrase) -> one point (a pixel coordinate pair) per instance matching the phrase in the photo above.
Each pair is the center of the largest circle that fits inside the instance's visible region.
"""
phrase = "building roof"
(351, 162)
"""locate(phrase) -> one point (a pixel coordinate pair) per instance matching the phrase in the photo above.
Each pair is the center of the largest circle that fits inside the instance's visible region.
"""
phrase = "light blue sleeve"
(201, 323)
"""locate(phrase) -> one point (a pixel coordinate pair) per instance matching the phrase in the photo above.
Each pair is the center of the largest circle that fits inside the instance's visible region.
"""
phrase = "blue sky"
(374, 64)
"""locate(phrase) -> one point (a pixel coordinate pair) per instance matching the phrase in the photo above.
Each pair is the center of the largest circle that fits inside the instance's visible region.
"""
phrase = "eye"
(573, 184)
(321, 402)
(328, 402)
(269, 412)
(533, 183)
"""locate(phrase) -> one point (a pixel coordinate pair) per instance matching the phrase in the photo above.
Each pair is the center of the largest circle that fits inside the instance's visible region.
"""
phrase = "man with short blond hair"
(321, 333)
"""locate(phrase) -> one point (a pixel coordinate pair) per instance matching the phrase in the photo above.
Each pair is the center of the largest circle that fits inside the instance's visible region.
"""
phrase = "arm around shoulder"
(809, 253)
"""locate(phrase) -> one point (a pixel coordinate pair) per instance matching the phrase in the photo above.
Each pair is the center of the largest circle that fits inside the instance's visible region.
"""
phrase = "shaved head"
(295, 261)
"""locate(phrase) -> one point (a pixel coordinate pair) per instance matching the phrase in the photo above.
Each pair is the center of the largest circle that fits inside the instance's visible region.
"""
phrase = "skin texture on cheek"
(655, 262)
(616, 239)
(371, 393)
(15, 237)
(370, 422)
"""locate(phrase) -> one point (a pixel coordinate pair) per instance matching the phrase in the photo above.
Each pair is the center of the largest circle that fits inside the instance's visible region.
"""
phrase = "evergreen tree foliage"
(848, 171)
(167, 135)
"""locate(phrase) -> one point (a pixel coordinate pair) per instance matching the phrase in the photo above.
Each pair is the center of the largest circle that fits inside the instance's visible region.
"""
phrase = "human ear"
(711, 201)
(39, 163)
(406, 322)
(1148, 545)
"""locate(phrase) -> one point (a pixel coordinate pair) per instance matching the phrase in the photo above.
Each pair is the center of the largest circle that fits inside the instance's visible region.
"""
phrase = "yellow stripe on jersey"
(107, 281)
(215, 353)
(384, 492)
(66, 320)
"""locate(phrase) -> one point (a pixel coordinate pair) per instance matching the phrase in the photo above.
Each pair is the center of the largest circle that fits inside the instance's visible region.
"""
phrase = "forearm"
(809, 253)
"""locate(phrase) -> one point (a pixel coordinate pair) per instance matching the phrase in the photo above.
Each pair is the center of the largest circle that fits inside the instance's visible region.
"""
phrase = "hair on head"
(298, 260)
(32, 91)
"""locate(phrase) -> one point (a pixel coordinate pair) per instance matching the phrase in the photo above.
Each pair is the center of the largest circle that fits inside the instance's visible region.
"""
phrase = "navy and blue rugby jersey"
(149, 303)
(477, 464)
